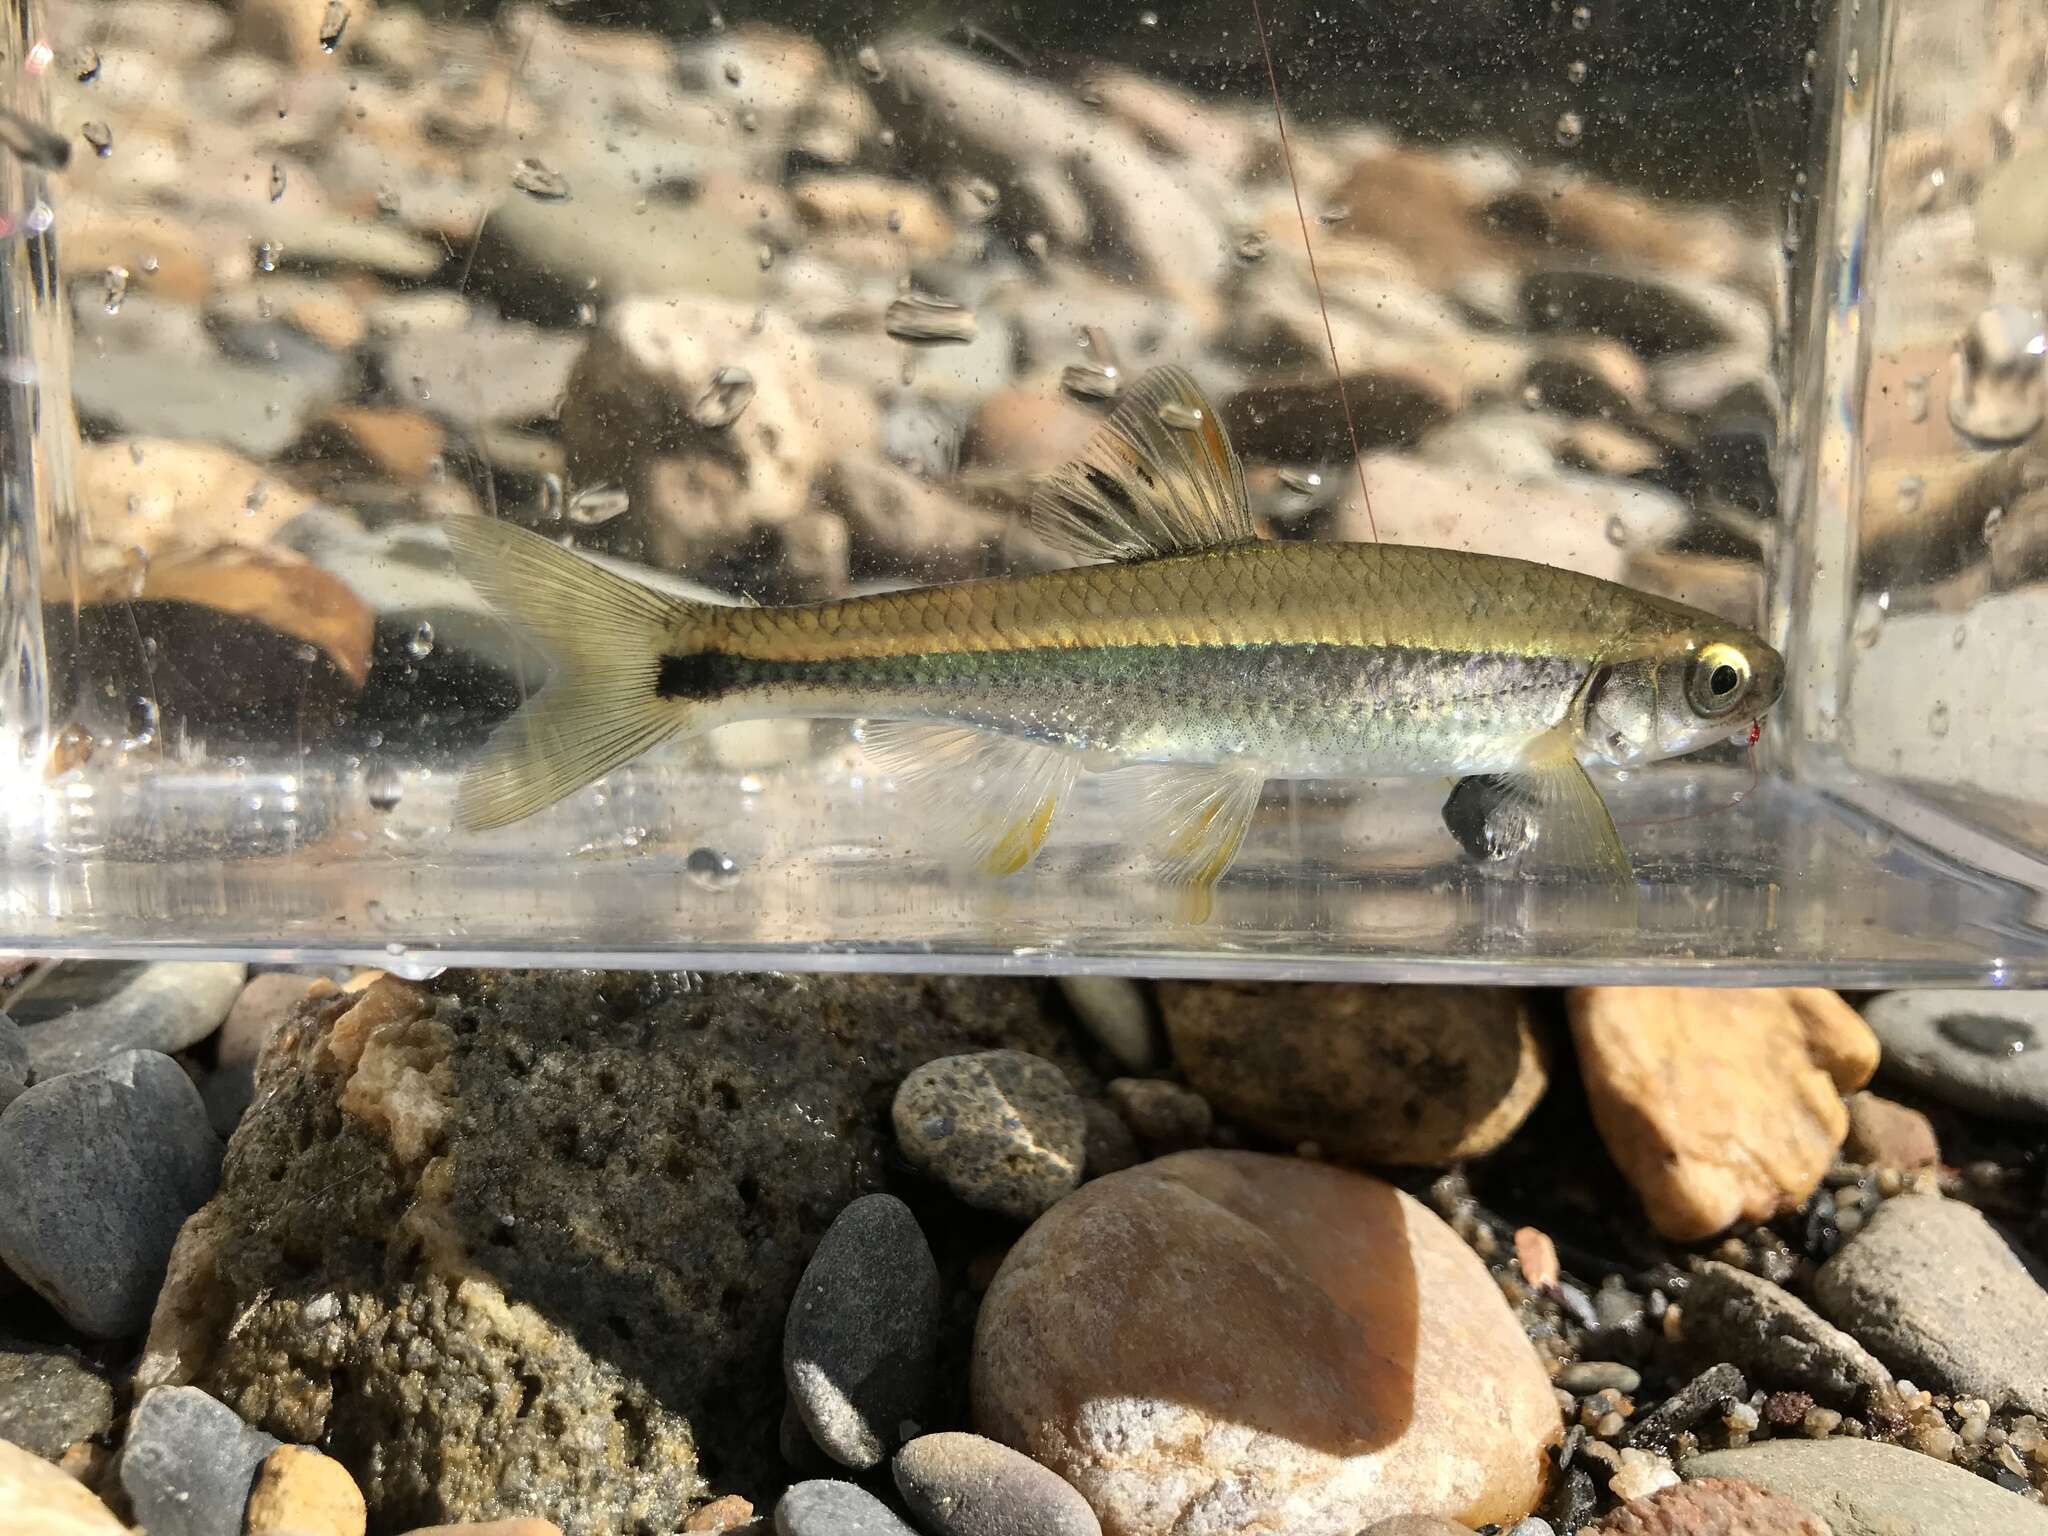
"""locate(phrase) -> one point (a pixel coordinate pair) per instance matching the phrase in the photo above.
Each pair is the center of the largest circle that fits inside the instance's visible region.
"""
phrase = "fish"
(1183, 658)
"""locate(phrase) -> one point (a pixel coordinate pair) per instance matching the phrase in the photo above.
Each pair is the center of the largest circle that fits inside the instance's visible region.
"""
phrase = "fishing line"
(1735, 802)
(1336, 367)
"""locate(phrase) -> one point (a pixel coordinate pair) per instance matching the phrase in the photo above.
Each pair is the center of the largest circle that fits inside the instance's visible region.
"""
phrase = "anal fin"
(993, 795)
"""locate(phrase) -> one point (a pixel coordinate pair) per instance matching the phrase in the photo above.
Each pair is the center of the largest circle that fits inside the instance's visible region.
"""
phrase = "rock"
(1416, 1525)
(1164, 1116)
(294, 31)
(862, 1338)
(1375, 1074)
(1710, 1506)
(41, 1500)
(104, 1164)
(616, 245)
(901, 524)
(963, 1485)
(189, 1463)
(1776, 1338)
(822, 1507)
(1002, 1129)
(1584, 1376)
(902, 218)
(299, 1492)
(165, 1008)
(259, 1011)
(488, 371)
(170, 498)
(1114, 1010)
(252, 408)
(721, 1514)
(50, 1399)
(1863, 1488)
(1654, 316)
(587, 1194)
(1719, 1104)
(1986, 1051)
(1883, 1134)
(524, 1525)
(1109, 1146)
(15, 1071)
(1713, 1388)
(1222, 1341)
(1933, 1290)
(1640, 1475)
(1029, 430)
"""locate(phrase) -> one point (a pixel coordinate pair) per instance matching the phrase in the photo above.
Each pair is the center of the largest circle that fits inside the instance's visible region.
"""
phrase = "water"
(797, 302)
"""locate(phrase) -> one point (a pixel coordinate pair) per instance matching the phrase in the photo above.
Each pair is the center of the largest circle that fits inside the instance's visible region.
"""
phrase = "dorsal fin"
(1159, 477)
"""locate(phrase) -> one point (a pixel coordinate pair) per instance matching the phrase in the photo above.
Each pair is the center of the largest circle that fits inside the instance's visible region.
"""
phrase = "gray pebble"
(1776, 1337)
(1933, 1290)
(1586, 1376)
(15, 1072)
(1111, 1147)
(1865, 1488)
(1657, 1429)
(1164, 1116)
(1115, 1011)
(1535, 1525)
(50, 1399)
(1986, 1051)
(1001, 1129)
(825, 1508)
(104, 1166)
(861, 1338)
(965, 1485)
(163, 1008)
(264, 1004)
(189, 1463)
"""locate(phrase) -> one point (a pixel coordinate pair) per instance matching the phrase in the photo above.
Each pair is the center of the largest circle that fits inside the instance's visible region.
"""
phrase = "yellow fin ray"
(993, 795)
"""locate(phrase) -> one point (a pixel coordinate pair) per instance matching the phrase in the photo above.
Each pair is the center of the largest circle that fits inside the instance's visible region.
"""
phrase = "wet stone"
(1985, 1051)
(1109, 1147)
(1586, 1376)
(821, 1507)
(163, 1008)
(190, 1463)
(862, 1335)
(964, 1485)
(1775, 1337)
(50, 1399)
(103, 1166)
(1002, 1129)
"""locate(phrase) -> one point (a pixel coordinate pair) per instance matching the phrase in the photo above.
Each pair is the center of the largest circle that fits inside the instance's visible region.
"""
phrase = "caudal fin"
(602, 706)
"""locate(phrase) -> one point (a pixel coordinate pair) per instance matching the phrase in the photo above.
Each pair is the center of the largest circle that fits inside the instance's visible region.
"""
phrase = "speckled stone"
(964, 1485)
(1865, 1488)
(1003, 1130)
(822, 1507)
(50, 1399)
(862, 1335)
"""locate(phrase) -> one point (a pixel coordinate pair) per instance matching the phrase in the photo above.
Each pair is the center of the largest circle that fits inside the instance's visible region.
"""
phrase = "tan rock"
(41, 1500)
(524, 1525)
(402, 444)
(300, 1492)
(1227, 1341)
(1719, 1104)
(1033, 430)
(165, 496)
(290, 30)
(262, 1007)
(160, 254)
(1883, 1134)
(1416, 1525)
(1375, 1074)
(1712, 1506)
(721, 1514)
(904, 211)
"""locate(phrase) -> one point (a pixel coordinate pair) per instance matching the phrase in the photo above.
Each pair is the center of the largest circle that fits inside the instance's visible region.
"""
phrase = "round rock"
(49, 1399)
(1002, 1129)
(1222, 1341)
(1373, 1074)
(103, 1166)
(1113, 1009)
(965, 1485)
(42, 1500)
(862, 1333)
(1986, 1051)
(163, 1008)
(190, 1463)
(823, 1507)
(300, 1492)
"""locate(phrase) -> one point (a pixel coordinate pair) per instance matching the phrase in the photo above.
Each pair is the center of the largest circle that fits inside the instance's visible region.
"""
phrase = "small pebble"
(721, 1514)
(1002, 1129)
(1641, 1474)
(165, 1008)
(50, 1399)
(965, 1485)
(1164, 1116)
(1115, 1011)
(190, 1463)
(822, 1507)
(1110, 1146)
(300, 1492)
(862, 1332)
(1595, 1375)
(1692, 1402)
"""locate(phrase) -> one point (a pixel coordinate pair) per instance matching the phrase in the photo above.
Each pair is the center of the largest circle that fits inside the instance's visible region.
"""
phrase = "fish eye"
(1720, 675)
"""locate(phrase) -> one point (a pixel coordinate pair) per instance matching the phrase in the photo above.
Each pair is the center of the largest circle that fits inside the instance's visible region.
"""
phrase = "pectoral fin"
(1574, 835)
(994, 796)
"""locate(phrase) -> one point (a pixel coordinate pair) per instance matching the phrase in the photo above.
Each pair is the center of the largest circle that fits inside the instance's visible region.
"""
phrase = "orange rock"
(1228, 1341)
(1719, 1104)
(300, 1492)
(400, 443)
(1712, 1504)
(1027, 430)
(283, 590)
(1887, 1135)
(720, 1514)
(40, 1500)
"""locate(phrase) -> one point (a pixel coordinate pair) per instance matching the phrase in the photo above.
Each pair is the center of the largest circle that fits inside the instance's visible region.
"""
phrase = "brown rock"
(299, 1492)
(1376, 1074)
(904, 213)
(721, 1514)
(1164, 1116)
(1719, 1104)
(1031, 430)
(1416, 1525)
(1227, 1341)
(526, 1525)
(400, 443)
(41, 1500)
(167, 497)
(1883, 1134)
(1713, 1506)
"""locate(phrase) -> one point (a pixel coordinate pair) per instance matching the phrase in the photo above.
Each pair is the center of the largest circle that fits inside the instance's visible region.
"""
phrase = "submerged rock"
(1986, 1051)
(1222, 1341)
(523, 1243)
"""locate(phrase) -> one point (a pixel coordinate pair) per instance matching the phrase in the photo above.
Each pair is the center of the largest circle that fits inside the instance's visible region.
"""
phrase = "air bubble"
(729, 393)
(115, 290)
(1869, 620)
(596, 505)
(1582, 17)
(732, 71)
(1995, 397)
(268, 255)
(258, 493)
(711, 870)
(421, 645)
(870, 65)
(1576, 71)
(1570, 129)
(276, 181)
(384, 787)
(333, 22)
(100, 137)
(923, 320)
(1994, 524)
(553, 498)
(85, 63)
(765, 255)
(1148, 19)
(1916, 398)
(1959, 637)
(143, 721)
(1091, 381)
(1937, 721)
(1617, 532)
(1912, 489)
(1251, 246)
(539, 181)
(1182, 418)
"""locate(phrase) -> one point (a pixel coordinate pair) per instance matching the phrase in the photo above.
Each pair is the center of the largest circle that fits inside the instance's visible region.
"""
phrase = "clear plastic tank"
(798, 301)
